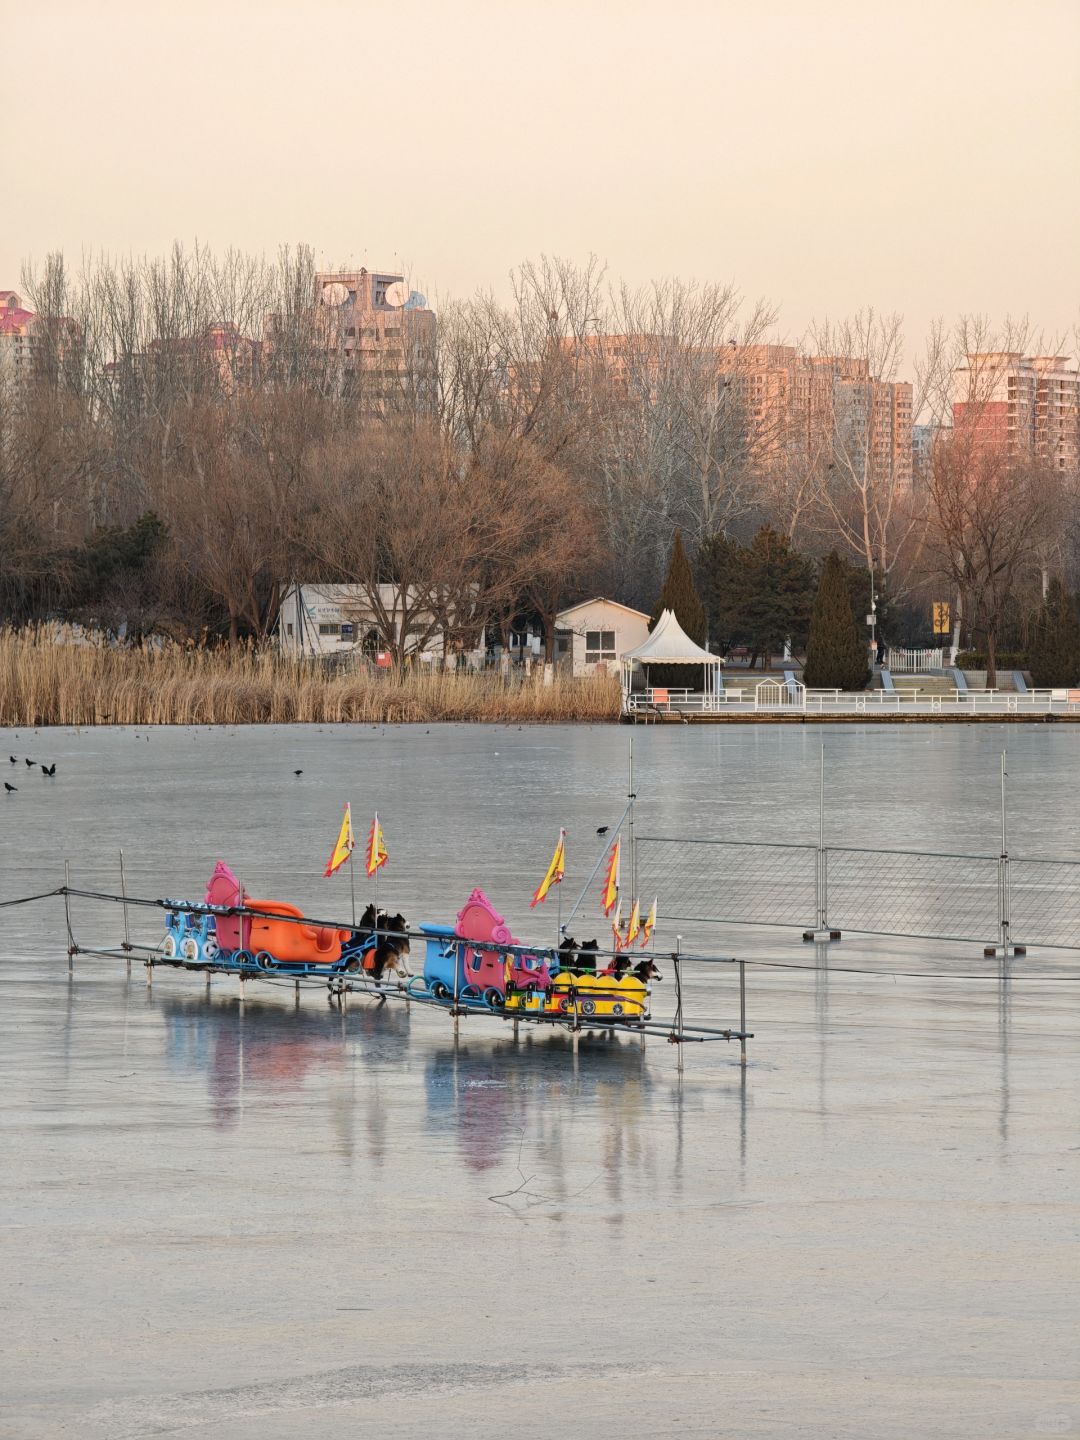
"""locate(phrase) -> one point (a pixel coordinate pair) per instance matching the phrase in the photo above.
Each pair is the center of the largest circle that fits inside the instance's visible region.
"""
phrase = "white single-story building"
(596, 634)
(322, 620)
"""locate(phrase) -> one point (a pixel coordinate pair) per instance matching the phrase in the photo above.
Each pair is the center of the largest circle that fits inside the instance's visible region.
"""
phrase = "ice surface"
(270, 1221)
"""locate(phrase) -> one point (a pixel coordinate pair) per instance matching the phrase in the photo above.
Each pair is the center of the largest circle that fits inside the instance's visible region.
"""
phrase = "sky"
(825, 154)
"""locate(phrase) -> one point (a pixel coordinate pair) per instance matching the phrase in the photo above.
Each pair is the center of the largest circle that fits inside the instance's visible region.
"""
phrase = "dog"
(618, 967)
(586, 957)
(578, 959)
(646, 970)
(392, 945)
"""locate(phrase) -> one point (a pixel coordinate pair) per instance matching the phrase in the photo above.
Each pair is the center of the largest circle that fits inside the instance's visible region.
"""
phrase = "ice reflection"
(267, 1047)
(490, 1096)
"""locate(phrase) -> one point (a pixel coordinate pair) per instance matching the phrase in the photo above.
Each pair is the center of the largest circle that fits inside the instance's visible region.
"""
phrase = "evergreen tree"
(858, 581)
(680, 594)
(779, 592)
(1054, 651)
(721, 567)
(836, 653)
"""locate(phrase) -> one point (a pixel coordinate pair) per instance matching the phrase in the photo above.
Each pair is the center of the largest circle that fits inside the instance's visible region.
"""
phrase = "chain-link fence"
(905, 892)
(989, 899)
(742, 883)
(1044, 902)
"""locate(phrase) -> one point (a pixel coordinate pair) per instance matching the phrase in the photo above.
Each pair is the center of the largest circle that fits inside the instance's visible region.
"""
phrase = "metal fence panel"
(1044, 902)
(743, 883)
(902, 892)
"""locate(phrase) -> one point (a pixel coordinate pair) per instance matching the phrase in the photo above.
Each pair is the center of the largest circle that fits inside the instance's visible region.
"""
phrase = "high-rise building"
(1027, 404)
(383, 331)
(788, 405)
(17, 340)
(807, 404)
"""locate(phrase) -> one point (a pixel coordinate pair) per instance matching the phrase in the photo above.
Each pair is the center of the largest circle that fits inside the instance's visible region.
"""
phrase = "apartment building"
(220, 359)
(1027, 404)
(810, 404)
(17, 339)
(382, 330)
(790, 405)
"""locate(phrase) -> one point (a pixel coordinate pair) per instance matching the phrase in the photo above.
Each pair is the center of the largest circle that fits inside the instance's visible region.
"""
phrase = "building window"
(329, 629)
(599, 645)
(289, 630)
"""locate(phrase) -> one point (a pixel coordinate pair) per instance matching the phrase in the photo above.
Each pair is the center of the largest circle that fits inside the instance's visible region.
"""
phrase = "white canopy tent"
(669, 644)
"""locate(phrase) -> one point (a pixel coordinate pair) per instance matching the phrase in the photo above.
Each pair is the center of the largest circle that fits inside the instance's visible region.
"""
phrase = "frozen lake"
(268, 1221)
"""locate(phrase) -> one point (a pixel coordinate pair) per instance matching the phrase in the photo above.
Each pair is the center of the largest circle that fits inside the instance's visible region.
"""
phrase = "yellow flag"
(376, 848)
(344, 847)
(610, 892)
(649, 926)
(633, 928)
(555, 871)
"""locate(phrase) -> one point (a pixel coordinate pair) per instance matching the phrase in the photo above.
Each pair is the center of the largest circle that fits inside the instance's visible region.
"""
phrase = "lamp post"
(871, 620)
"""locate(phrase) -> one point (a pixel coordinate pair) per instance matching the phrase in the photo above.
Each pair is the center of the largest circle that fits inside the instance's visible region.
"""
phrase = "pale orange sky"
(828, 154)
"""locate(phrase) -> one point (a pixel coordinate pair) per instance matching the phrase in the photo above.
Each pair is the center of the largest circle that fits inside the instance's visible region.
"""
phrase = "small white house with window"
(337, 620)
(596, 634)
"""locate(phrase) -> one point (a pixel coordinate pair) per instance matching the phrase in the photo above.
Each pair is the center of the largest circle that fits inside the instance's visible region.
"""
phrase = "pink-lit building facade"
(1027, 404)
(18, 338)
(793, 406)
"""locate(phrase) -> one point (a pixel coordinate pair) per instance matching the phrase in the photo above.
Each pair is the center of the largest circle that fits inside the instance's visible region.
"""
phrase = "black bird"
(49, 769)
(9, 788)
(29, 764)
(298, 772)
(12, 759)
(601, 829)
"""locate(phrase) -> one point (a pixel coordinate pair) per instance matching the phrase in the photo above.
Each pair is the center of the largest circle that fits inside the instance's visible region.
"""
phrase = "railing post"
(821, 934)
(1005, 945)
(67, 916)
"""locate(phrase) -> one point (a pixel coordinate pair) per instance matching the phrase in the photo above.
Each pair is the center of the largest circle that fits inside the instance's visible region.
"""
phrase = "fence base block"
(820, 937)
(991, 951)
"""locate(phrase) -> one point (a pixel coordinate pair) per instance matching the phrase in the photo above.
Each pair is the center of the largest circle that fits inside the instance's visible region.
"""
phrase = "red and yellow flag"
(649, 926)
(610, 891)
(345, 842)
(376, 847)
(555, 871)
(616, 928)
(633, 928)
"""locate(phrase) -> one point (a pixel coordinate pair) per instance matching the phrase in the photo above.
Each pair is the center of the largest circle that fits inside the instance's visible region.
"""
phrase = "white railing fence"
(910, 662)
(779, 697)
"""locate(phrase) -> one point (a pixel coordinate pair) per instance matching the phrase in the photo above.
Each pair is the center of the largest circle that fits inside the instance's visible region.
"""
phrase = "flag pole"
(630, 798)
(352, 882)
(595, 869)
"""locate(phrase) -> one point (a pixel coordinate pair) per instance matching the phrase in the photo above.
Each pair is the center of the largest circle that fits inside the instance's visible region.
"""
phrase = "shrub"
(1006, 660)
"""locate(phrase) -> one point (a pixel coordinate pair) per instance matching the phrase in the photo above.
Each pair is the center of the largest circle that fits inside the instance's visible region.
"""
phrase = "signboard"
(383, 660)
(941, 617)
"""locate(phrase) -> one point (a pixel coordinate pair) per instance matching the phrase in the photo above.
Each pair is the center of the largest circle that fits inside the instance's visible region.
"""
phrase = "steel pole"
(822, 921)
(123, 891)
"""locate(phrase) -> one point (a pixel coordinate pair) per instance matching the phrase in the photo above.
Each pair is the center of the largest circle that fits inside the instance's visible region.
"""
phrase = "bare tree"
(992, 514)
(865, 496)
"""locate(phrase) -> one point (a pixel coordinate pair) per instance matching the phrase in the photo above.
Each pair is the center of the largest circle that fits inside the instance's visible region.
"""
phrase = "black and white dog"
(392, 945)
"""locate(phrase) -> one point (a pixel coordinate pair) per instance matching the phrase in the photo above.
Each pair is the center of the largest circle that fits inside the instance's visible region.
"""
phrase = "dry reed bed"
(42, 683)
